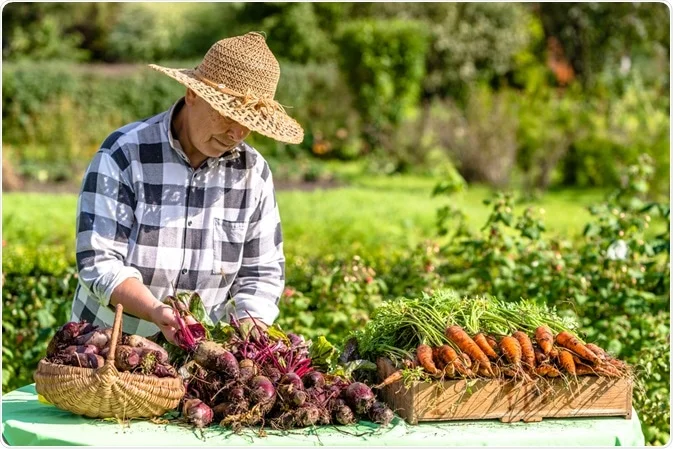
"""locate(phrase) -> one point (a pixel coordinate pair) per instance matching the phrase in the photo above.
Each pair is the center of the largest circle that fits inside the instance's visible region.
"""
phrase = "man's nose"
(238, 132)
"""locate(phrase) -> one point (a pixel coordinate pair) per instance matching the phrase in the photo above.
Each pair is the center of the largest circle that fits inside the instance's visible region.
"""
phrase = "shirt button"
(184, 271)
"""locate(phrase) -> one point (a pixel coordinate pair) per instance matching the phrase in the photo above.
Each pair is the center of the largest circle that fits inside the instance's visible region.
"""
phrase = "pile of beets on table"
(258, 380)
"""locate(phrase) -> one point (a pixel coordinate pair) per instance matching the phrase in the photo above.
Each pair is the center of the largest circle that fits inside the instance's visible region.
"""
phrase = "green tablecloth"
(27, 421)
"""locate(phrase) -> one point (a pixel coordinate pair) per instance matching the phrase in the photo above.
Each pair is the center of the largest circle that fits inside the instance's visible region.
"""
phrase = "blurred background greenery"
(415, 115)
(533, 95)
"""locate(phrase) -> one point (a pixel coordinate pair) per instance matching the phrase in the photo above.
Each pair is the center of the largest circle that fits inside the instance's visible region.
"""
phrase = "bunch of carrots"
(514, 356)
(447, 336)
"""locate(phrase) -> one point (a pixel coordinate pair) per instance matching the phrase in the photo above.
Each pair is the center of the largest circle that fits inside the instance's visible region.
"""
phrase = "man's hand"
(250, 326)
(164, 317)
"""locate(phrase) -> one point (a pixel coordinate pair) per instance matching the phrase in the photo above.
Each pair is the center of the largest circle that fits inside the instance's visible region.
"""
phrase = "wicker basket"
(105, 392)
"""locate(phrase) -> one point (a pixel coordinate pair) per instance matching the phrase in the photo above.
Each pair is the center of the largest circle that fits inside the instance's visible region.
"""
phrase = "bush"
(384, 63)
(482, 138)
(37, 293)
(45, 106)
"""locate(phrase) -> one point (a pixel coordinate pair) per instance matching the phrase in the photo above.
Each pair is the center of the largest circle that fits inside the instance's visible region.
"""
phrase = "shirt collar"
(175, 143)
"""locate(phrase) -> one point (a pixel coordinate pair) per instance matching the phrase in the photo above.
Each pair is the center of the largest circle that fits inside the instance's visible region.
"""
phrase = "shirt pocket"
(228, 240)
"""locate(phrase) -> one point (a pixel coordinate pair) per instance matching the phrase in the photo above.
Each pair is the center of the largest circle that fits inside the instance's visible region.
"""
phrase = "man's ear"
(190, 97)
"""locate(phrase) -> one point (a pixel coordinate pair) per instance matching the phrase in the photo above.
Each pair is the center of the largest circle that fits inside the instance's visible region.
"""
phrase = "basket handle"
(116, 331)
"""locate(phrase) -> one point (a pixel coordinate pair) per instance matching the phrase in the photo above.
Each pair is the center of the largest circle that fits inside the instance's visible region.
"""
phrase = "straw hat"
(238, 78)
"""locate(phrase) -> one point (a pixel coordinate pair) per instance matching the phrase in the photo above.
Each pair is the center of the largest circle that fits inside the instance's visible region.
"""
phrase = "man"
(178, 202)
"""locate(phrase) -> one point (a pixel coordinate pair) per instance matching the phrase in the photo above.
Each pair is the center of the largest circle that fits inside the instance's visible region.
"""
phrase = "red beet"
(196, 412)
(262, 392)
(313, 379)
(247, 370)
(380, 413)
(214, 357)
(292, 379)
(66, 335)
(359, 397)
(136, 341)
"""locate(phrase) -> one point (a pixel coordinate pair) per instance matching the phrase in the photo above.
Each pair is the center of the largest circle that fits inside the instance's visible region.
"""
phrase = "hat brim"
(277, 125)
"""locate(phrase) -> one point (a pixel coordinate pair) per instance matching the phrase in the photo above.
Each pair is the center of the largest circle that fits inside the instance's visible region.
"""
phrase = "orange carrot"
(458, 336)
(439, 363)
(424, 356)
(480, 340)
(467, 361)
(394, 377)
(600, 352)
(566, 361)
(511, 348)
(493, 343)
(527, 352)
(482, 371)
(553, 353)
(451, 358)
(569, 341)
(547, 370)
(544, 338)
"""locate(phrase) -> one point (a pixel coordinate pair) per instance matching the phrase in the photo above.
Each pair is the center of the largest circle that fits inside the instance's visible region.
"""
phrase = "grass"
(371, 213)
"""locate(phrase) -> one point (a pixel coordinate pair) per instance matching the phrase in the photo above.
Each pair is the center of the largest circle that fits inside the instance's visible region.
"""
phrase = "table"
(28, 421)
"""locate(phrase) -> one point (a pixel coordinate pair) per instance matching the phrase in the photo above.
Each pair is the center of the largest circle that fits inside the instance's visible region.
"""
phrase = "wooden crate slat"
(508, 400)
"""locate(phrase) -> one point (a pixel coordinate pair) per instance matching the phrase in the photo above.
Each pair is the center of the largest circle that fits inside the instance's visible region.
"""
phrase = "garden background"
(495, 148)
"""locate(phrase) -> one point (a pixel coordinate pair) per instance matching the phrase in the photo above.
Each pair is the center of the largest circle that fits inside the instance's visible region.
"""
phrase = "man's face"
(209, 132)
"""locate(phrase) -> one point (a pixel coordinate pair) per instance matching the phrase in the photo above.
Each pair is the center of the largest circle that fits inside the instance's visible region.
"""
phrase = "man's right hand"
(164, 317)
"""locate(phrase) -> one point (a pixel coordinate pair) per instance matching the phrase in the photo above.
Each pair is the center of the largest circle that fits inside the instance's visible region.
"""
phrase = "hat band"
(267, 106)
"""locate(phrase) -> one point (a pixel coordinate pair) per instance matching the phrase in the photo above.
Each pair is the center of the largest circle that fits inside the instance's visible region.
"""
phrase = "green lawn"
(371, 213)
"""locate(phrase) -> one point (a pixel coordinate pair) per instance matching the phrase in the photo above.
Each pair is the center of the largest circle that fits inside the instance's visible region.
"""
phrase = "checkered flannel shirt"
(144, 213)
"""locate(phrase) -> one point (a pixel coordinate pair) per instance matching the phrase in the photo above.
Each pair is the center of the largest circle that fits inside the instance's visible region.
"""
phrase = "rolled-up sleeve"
(105, 214)
(257, 288)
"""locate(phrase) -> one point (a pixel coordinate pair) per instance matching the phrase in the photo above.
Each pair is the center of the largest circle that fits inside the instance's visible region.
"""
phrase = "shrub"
(384, 63)
(37, 292)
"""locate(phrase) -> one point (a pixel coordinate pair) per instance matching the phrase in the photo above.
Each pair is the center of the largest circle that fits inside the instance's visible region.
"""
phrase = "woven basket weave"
(105, 392)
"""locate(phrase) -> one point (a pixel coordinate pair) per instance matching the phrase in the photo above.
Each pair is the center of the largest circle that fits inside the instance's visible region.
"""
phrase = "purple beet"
(196, 412)
(313, 379)
(292, 379)
(359, 397)
(380, 413)
(262, 392)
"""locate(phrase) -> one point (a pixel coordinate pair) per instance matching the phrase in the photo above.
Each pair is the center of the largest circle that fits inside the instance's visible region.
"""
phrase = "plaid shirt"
(145, 213)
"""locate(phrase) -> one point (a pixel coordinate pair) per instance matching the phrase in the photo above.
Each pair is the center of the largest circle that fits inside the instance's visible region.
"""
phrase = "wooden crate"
(507, 400)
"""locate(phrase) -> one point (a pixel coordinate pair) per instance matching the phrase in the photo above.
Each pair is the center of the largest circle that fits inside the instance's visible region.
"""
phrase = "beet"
(307, 415)
(313, 379)
(83, 349)
(136, 341)
(79, 359)
(99, 338)
(344, 415)
(247, 370)
(262, 392)
(127, 358)
(359, 397)
(273, 373)
(164, 370)
(66, 335)
(214, 357)
(298, 398)
(197, 412)
(292, 379)
(236, 394)
(380, 413)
